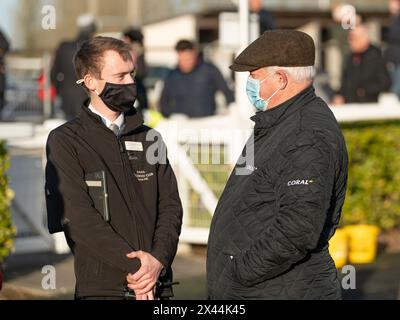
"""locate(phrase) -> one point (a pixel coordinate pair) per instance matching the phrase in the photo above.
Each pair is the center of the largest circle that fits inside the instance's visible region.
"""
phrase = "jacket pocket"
(232, 288)
(96, 183)
(229, 258)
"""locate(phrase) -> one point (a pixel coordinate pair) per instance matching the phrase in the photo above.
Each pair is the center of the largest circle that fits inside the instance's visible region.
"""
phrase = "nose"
(129, 79)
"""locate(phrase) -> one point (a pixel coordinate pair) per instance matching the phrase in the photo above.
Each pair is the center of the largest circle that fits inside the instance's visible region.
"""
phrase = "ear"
(90, 82)
(283, 79)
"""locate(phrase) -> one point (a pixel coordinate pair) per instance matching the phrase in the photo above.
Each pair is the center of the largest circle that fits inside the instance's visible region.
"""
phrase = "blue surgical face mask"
(253, 92)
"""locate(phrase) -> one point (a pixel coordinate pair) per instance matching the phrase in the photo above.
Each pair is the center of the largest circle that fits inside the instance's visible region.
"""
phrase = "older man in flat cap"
(270, 232)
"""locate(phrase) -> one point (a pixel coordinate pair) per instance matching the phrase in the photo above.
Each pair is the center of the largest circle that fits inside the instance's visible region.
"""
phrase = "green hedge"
(7, 231)
(373, 194)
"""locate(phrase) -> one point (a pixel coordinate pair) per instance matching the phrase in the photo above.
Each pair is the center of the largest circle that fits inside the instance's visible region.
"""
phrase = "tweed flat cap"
(282, 48)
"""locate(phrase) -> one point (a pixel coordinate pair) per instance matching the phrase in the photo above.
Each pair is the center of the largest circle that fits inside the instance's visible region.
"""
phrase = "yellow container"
(363, 243)
(338, 248)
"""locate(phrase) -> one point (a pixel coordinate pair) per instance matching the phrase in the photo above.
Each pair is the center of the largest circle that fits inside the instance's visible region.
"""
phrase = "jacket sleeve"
(169, 220)
(81, 221)
(303, 193)
(222, 86)
(344, 77)
(382, 76)
(166, 101)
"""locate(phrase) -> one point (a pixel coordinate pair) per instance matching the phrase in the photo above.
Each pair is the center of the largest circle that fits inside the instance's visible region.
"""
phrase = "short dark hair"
(134, 35)
(89, 57)
(184, 45)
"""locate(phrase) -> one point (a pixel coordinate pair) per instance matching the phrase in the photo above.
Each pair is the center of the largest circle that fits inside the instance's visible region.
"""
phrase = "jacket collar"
(120, 121)
(133, 120)
(272, 117)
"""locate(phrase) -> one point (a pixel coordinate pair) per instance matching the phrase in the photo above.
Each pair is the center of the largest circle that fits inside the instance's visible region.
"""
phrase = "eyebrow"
(124, 73)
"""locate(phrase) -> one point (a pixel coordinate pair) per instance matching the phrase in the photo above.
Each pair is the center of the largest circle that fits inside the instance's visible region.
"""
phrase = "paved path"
(380, 280)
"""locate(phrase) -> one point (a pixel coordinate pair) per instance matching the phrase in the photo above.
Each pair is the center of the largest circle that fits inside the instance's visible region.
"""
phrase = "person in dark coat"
(392, 53)
(110, 187)
(62, 74)
(134, 37)
(4, 48)
(190, 88)
(365, 75)
(266, 20)
(283, 201)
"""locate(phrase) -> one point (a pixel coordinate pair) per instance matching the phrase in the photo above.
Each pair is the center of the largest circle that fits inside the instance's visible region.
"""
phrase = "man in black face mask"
(110, 187)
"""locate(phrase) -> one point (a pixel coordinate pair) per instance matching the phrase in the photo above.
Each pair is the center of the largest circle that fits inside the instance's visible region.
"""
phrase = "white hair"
(298, 74)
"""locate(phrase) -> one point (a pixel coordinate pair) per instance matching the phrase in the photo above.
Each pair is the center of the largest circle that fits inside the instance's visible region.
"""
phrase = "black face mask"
(119, 97)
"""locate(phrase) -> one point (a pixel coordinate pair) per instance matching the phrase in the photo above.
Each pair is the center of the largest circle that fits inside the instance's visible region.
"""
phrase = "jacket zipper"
(128, 171)
(121, 152)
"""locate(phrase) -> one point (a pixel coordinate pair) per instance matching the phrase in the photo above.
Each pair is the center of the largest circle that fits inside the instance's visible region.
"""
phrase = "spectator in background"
(343, 16)
(4, 48)
(393, 50)
(267, 22)
(63, 75)
(190, 88)
(365, 75)
(134, 37)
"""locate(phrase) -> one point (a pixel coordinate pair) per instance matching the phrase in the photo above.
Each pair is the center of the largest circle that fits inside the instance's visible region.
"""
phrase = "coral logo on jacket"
(300, 183)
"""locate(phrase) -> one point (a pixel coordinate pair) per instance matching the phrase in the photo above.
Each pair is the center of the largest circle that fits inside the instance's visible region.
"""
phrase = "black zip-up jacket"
(145, 208)
(269, 235)
(365, 77)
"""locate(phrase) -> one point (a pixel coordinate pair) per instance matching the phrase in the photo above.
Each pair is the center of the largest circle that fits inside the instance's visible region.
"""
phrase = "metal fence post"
(47, 86)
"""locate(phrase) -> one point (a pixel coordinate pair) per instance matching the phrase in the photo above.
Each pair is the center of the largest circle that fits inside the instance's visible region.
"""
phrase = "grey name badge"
(133, 146)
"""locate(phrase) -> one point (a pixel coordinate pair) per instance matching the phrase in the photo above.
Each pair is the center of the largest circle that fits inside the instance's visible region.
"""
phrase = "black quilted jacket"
(269, 235)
